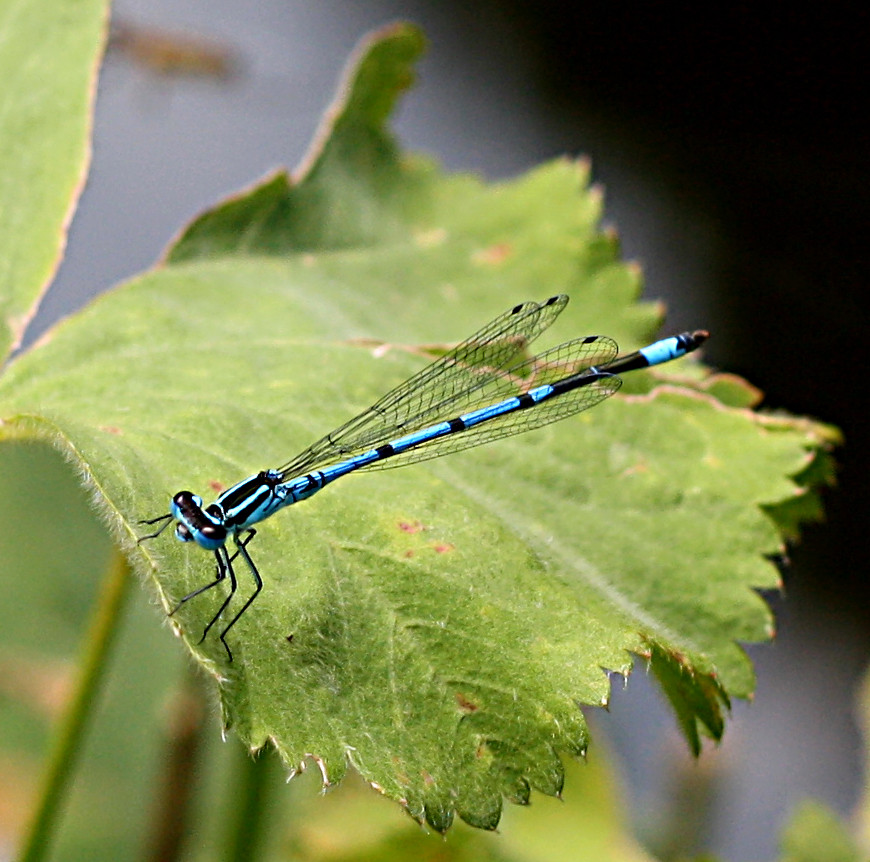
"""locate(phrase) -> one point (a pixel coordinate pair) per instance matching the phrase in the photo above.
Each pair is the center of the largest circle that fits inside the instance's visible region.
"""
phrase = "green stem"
(183, 740)
(245, 840)
(67, 744)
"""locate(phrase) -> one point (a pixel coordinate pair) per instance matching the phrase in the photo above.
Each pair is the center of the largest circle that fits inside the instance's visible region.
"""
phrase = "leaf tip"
(378, 71)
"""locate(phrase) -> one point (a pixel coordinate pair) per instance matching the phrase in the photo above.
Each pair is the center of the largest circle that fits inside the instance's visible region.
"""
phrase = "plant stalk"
(184, 732)
(247, 830)
(69, 738)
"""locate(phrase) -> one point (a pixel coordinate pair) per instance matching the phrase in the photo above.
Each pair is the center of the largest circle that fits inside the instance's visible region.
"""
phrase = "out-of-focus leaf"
(49, 53)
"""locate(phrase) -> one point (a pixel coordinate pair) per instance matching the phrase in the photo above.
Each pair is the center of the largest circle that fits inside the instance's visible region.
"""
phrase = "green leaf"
(815, 834)
(356, 189)
(437, 626)
(698, 698)
(49, 54)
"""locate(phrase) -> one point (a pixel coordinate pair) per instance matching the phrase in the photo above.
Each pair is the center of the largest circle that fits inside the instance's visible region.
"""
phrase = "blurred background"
(732, 148)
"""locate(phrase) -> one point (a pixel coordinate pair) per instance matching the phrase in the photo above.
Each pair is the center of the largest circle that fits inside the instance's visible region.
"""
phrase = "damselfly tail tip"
(699, 336)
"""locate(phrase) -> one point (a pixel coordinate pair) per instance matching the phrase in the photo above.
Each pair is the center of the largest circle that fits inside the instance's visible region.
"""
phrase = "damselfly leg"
(224, 569)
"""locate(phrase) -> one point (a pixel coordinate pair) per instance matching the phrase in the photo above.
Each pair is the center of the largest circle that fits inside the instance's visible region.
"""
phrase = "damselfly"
(483, 389)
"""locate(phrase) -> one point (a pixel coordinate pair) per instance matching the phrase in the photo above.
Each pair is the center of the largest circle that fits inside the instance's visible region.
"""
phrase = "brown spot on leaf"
(430, 238)
(464, 703)
(640, 467)
(494, 254)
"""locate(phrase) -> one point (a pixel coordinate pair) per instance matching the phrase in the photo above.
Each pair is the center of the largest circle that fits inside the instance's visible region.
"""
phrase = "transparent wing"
(576, 355)
(434, 392)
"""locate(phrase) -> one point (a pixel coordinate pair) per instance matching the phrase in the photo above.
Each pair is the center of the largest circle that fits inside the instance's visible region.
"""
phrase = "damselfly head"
(205, 530)
(194, 523)
(182, 532)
